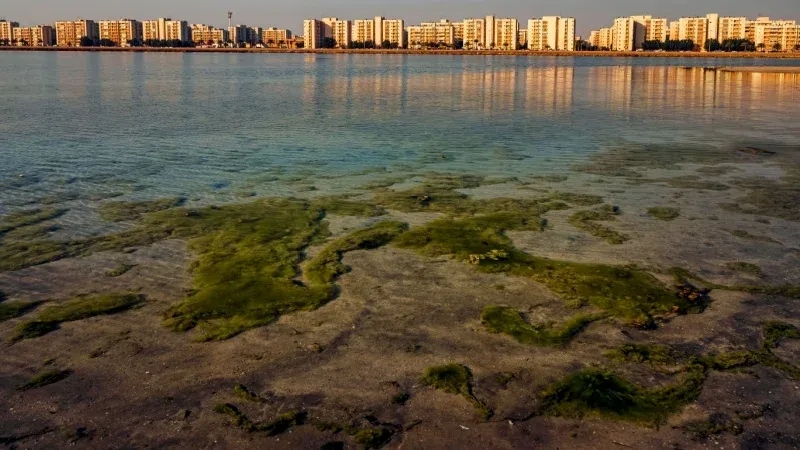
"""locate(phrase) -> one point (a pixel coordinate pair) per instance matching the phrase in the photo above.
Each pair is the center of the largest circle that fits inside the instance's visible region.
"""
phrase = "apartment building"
(594, 38)
(474, 34)
(272, 36)
(506, 32)
(39, 36)
(363, 30)
(70, 33)
(458, 31)
(121, 32)
(426, 33)
(656, 29)
(341, 32)
(694, 29)
(7, 30)
(394, 31)
(203, 34)
(239, 34)
(775, 34)
(605, 38)
(623, 32)
(166, 29)
(313, 33)
(551, 33)
(522, 41)
(674, 30)
(732, 28)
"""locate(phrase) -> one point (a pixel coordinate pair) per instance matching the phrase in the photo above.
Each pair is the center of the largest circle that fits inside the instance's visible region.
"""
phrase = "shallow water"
(217, 127)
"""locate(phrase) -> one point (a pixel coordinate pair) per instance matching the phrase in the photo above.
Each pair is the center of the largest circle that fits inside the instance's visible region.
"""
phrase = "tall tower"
(230, 16)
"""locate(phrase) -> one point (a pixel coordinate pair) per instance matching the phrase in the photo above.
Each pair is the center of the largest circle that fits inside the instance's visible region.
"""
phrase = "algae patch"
(49, 319)
(663, 213)
(587, 221)
(326, 266)
(44, 378)
(272, 428)
(455, 379)
(122, 211)
(10, 310)
(628, 293)
(499, 319)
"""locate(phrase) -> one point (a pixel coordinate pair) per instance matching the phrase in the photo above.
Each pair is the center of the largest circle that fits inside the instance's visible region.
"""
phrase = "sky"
(590, 14)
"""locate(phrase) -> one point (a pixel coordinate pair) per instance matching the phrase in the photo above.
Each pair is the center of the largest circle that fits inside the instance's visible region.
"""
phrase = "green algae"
(79, 308)
(600, 393)
(499, 319)
(628, 293)
(774, 332)
(790, 291)
(743, 234)
(587, 221)
(247, 257)
(119, 270)
(44, 378)
(26, 218)
(577, 199)
(124, 211)
(30, 232)
(243, 392)
(641, 353)
(745, 267)
(374, 437)
(272, 428)
(344, 207)
(10, 310)
(327, 266)
(455, 379)
(771, 199)
(663, 213)
(716, 424)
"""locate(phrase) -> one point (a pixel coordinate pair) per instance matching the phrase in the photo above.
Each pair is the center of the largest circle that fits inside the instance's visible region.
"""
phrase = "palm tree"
(777, 47)
(761, 47)
(797, 47)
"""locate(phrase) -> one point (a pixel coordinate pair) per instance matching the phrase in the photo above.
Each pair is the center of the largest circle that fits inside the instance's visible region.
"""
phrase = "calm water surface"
(214, 126)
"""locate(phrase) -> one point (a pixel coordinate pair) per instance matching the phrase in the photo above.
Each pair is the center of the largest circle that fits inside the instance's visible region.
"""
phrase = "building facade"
(431, 33)
(39, 36)
(275, 36)
(313, 32)
(121, 32)
(70, 33)
(732, 28)
(203, 34)
(506, 33)
(7, 31)
(474, 34)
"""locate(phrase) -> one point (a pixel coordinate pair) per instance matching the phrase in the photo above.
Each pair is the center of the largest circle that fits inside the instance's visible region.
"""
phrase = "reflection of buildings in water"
(629, 89)
(549, 90)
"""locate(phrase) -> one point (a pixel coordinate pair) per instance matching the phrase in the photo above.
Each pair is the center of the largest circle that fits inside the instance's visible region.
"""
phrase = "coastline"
(603, 54)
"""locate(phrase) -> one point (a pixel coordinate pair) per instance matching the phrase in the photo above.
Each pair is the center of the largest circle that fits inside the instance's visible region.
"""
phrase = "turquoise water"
(216, 127)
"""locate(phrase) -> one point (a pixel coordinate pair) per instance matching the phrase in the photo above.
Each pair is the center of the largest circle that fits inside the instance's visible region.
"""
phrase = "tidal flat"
(444, 294)
(356, 318)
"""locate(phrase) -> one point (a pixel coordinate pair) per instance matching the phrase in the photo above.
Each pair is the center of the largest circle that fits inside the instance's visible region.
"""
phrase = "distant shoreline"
(414, 52)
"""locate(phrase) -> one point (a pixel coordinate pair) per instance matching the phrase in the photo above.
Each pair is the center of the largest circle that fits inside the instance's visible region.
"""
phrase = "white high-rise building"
(551, 33)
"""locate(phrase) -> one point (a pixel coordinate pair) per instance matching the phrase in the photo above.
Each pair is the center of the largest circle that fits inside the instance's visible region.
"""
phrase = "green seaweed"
(44, 378)
(587, 221)
(79, 308)
(455, 379)
(272, 428)
(10, 310)
(594, 392)
(124, 211)
(326, 266)
(499, 319)
(774, 332)
(246, 260)
(577, 199)
(743, 234)
(663, 213)
(770, 198)
(374, 437)
(640, 353)
(790, 291)
(745, 267)
(26, 218)
(244, 393)
(624, 292)
(119, 270)
(344, 207)
(715, 425)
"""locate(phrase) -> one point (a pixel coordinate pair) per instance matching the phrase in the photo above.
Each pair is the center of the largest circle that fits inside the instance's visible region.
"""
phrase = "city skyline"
(590, 15)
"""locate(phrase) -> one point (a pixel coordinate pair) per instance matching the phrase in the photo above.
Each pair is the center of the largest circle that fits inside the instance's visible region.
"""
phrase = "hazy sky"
(590, 14)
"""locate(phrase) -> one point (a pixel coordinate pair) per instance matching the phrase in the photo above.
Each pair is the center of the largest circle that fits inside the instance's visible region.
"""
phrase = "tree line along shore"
(658, 54)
